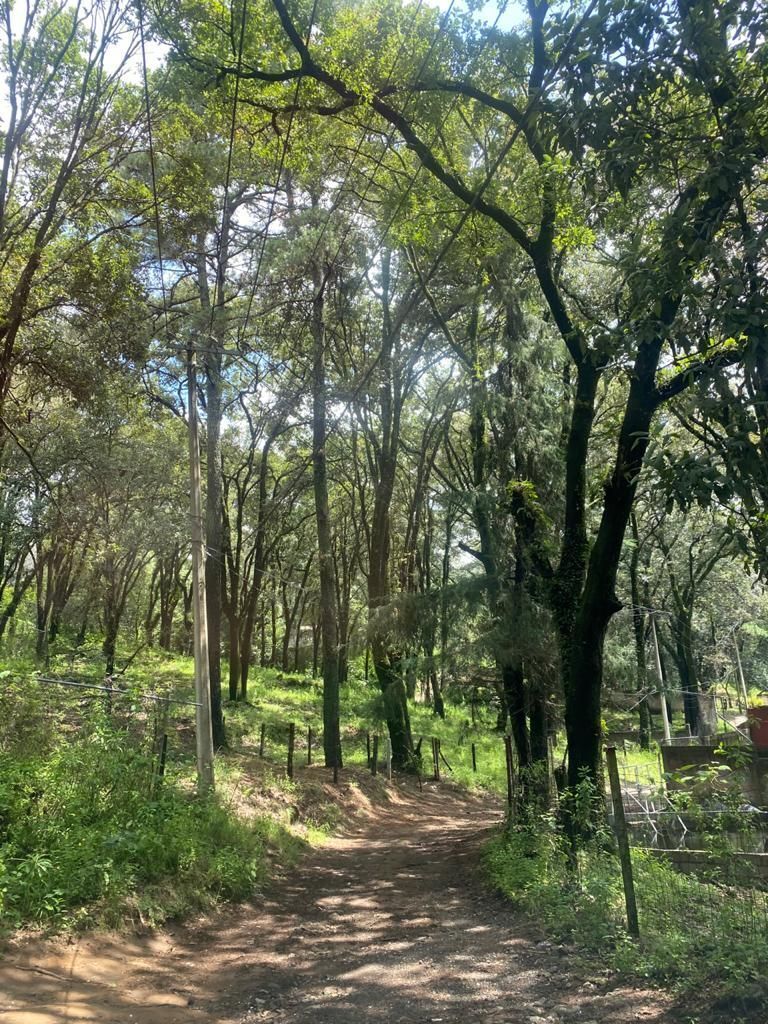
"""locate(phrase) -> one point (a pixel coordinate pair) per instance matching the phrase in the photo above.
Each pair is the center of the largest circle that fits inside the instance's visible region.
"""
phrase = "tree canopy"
(478, 308)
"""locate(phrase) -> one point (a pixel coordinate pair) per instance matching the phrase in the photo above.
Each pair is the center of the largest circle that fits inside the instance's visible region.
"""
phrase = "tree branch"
(685, 378)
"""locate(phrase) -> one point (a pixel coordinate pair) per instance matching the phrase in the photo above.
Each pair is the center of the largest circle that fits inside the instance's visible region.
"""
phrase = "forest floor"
(387, 921)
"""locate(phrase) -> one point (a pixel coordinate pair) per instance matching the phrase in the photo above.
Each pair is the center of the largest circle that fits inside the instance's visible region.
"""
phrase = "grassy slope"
(86, 839)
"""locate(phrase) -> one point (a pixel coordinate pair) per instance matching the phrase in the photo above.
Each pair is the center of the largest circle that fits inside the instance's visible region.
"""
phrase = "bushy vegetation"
(90, 834)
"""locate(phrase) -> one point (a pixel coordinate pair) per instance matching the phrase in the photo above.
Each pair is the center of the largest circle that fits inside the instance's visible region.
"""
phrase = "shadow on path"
(387, 923)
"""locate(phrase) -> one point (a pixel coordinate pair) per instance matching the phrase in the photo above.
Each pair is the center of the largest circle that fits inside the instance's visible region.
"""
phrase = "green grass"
(85, 838)
(694, 935)
(88, 838)
(277, 705)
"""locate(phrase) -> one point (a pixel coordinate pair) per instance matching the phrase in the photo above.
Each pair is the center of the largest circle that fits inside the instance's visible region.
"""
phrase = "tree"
(651, 303)
(71, 127)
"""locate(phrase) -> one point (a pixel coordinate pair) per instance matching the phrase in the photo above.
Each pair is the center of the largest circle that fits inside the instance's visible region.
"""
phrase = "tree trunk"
(273, 623)
(315, 648)
(297, 637)
(234, 655)
(539, 726)
(582, 645)
(387, 661)
(263, 637)
(22, 584)
(165, 635)
(214, 519)
(685, 662)
(638, 628)
(329, 625)
(514, 698)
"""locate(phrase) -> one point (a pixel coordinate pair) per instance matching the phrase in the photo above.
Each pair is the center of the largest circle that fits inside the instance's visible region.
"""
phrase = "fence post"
(510, 772)
(368, 748)
(291, 741)
(474, 758)
(389, 758)
(262, 739)
(620, 825)
(375, 755)
(309, 746)
(436, 757)
(163, 752)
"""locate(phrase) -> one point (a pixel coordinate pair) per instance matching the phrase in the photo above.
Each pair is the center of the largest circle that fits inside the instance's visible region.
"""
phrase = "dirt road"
(388, 923)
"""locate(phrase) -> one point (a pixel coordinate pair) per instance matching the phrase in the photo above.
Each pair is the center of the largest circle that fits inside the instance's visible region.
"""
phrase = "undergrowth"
(90, 835)
(694, 933)
(278, 700)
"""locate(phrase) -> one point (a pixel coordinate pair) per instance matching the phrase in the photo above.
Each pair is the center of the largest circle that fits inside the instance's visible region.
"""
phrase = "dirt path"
(388, 923)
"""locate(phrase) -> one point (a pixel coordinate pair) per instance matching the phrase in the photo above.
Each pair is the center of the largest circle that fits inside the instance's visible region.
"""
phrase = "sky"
(514, 14)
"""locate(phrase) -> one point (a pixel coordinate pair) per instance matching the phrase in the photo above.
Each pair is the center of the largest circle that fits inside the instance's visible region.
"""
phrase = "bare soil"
(387, 922)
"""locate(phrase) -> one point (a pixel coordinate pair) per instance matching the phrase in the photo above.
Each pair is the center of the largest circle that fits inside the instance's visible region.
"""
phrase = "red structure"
(758, 726)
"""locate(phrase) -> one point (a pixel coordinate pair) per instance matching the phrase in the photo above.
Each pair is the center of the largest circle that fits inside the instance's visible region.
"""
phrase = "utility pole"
(660, 676)
(744, 699)
(204, 734)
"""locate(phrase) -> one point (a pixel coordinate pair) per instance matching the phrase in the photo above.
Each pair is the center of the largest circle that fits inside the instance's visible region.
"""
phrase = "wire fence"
(719, 881)
(719, 884)
(39, 713)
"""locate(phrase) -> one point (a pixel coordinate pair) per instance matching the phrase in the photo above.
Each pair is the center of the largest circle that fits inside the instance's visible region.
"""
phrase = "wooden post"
(368, 748)
(203, 726)
(163, 752)
(309, 746)
(159, 746)
(389, 758)
(474, 758)
(375, 755)
(436, 759)
(262, 739)
(660, 677)
(510, 771)
(620, 825)
(291, 742)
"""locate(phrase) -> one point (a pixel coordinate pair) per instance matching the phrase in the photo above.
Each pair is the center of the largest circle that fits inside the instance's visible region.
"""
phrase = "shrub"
(80, 828)
(694, 933)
